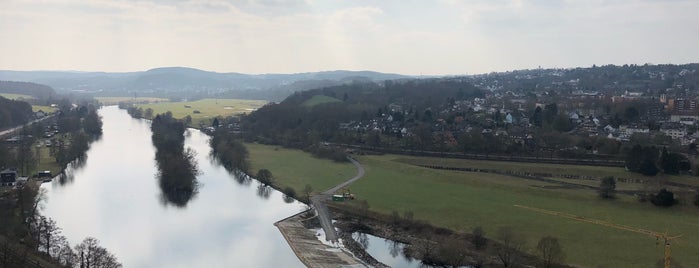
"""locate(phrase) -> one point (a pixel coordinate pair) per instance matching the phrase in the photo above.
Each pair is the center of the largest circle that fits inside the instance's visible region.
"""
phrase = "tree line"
(177, 168)
(14, 113)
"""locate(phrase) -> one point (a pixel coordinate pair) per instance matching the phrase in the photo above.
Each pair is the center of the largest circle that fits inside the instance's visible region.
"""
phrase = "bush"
(290, 192)
(607, 188)
(264, 176)
(664, 198)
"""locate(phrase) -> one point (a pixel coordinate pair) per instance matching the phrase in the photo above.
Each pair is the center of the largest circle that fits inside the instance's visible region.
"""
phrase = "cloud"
(412, 37)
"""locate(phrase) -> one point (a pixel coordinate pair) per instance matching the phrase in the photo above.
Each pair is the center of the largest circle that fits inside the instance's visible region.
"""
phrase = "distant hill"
(25, 88)
(181, 82)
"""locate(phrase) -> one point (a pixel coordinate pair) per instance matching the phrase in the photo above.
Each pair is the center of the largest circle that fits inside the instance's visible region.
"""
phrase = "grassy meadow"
(464, 200)
(117, 100)
(46, 109)
(208, 108)
(15, 96)
(319, 99)
(295, 168)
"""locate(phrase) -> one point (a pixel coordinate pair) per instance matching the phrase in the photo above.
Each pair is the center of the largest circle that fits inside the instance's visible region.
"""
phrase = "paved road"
(322, 211)
(12, 130)
(360, 174)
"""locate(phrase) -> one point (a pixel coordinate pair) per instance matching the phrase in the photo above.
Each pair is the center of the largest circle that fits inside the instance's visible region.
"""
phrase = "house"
(8, 177)
(674, 130)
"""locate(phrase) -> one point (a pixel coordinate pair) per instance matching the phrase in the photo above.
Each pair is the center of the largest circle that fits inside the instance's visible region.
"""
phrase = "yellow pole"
(667, 253)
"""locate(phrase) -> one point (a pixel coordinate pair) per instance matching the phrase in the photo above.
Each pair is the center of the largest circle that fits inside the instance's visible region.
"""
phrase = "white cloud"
(411, 37)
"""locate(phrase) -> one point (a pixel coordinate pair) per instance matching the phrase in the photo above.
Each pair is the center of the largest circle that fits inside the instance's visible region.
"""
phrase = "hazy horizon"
(446, 37)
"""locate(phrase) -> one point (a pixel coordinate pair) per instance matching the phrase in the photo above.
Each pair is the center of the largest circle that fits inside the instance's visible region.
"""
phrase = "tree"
(148, 113)
(537, 117)
(511, 246)
(664, 198)
(307, 190)
(479, 241)
(550, 251)
(91, 255)
(453, 251)
(550, 112)
(670, 162)
(607, 187)
(561, 123)
(264, 176)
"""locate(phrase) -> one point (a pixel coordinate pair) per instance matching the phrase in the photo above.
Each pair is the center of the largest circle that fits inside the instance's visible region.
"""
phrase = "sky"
(414, 37)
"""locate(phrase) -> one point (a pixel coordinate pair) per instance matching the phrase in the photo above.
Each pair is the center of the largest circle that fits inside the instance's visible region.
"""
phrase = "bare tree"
(479, 241)
(512, 245)
(91, 255)
(550, 251)
(453, 251)
(307, 190)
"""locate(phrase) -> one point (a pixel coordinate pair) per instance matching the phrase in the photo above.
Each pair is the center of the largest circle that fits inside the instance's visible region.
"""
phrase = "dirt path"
(322, 211)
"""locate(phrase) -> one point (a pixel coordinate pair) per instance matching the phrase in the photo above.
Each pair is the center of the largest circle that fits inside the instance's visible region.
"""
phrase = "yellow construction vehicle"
(658, 236)
(347, 194)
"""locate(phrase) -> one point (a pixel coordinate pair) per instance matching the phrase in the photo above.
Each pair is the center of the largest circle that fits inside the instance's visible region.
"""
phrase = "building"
(674, 130)
(687, 119)
(8, 177)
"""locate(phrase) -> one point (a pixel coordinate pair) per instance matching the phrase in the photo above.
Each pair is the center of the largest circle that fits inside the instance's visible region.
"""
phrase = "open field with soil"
(464, 200)
(207, 108)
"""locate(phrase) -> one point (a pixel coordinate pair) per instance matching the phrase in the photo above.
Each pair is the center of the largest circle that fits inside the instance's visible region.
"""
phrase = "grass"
(117, 100)
(208, 108)
(554, 169)
(16, 96)
(464, 200)
(295, 168)
(319, 99)
(47, 162)
(46, 109)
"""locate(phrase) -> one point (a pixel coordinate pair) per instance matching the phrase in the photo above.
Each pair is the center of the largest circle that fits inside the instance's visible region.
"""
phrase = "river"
(114, 197)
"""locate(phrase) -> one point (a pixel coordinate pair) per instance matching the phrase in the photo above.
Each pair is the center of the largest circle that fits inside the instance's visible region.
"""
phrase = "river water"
(114, 197)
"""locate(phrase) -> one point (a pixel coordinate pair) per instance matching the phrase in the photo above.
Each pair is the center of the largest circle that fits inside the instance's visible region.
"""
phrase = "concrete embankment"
(310, 250)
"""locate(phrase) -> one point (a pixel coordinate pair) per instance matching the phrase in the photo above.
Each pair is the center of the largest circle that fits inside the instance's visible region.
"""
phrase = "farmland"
(203, 111)
(117, 100)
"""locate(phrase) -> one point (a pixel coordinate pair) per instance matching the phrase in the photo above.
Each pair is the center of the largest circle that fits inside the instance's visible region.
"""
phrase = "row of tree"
(650, 160)
(177, 167)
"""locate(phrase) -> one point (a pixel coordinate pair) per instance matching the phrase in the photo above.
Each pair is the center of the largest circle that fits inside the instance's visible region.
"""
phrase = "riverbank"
(309, 249)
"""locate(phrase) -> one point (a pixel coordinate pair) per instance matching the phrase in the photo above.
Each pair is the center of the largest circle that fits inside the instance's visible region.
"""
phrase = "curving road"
(322, 210)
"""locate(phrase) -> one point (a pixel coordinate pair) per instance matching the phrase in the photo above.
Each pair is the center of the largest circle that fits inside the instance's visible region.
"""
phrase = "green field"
(16, 96)
(319, 99)
(554, 169)
(208, 108)
(46, 161)
(296, 168)
(117, 100)
(464, 200)
(46, 109)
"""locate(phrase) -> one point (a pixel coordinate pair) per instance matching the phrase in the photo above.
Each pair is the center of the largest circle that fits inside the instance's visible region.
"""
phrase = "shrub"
(664, 198)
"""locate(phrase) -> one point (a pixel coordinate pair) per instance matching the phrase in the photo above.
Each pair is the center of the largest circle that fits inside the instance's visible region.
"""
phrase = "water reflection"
(391, 253)
(115, 198)
(288, 199)
(263, 191)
